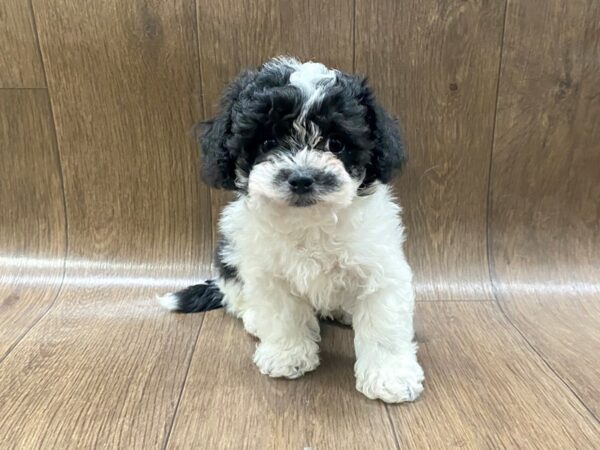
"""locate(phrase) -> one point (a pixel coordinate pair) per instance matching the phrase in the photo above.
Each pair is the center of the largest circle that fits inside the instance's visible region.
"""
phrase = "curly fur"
(314, 230)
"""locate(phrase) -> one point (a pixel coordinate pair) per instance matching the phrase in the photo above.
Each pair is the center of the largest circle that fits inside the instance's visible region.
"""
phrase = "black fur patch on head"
(260, 107)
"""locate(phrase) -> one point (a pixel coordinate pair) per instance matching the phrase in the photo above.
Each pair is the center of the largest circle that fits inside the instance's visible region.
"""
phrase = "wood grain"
(545, 227)
(544, 221)
(421, 56)
(486, 389)
(228, 404)
(104, 369)
(565, 333)
(32, 222)
(234, 36)
(124, 80)
(318, 31)
(479, 393)
(20, 63)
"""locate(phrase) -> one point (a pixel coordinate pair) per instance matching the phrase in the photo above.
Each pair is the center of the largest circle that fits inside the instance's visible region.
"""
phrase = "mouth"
(302, 201)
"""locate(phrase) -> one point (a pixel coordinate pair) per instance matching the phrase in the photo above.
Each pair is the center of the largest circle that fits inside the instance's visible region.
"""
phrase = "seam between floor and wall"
(64, 201)
(62, 275)
(56, 143)
(491, 268)
(488, 205)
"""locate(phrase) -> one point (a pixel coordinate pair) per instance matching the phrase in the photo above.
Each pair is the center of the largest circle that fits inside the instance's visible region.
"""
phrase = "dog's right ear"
(219, 154)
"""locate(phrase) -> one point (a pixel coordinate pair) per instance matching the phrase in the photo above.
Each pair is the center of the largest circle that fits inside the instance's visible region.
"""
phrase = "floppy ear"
(219, 152)
(388, 155)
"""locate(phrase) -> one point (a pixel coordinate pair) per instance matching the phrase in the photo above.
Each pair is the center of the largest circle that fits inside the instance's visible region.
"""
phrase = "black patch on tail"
(199, 297)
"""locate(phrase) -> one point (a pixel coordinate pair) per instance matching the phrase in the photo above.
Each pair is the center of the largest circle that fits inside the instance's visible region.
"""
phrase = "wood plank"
(228, 404)
(566, 333)
(125, 88)
(435, 65)
(545, 227)
(485, 388)
(318, 31)
(32, 223)
(232, 36)
(104, 369)
(20, 62)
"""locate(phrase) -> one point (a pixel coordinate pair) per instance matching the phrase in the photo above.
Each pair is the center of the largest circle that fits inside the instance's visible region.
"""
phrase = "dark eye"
(269, 144)
(335, 146)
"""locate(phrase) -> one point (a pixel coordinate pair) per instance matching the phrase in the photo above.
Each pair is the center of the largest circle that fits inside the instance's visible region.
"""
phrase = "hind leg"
(236, 305)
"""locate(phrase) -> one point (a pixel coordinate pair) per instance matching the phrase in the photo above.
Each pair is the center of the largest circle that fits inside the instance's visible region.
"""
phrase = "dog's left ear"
(388, 155)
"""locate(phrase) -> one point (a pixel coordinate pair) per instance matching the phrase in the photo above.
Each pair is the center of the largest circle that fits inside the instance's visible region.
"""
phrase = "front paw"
(289, 361)
(394, 381)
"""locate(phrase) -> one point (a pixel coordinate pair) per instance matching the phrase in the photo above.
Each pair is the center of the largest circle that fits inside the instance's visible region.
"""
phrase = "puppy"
(313, 230)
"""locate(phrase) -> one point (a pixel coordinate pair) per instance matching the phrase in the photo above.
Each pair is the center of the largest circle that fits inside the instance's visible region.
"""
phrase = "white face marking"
(264, 181)
(313, 79)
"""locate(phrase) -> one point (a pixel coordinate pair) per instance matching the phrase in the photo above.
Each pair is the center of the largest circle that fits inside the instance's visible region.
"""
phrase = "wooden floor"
(102, 367)
(101, 210)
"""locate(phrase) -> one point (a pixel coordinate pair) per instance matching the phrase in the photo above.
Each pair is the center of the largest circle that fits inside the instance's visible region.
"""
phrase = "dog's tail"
(197, 298)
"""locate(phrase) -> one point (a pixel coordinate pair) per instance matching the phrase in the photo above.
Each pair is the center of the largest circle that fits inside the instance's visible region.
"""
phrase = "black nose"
(300, 183)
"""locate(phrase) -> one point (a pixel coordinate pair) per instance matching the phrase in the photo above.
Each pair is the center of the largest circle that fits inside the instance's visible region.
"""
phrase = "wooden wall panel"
(545, 220)
(435, 65)
(545, 190)
(124, 82)
(20, 63)
(233, 35)
(32, 222)
(318, 31)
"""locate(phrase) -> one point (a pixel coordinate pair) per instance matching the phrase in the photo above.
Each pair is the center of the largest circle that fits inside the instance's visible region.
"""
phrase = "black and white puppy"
(314, 230)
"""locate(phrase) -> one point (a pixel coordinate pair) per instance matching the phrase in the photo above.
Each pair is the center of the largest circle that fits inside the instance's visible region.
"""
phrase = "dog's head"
(300, 134)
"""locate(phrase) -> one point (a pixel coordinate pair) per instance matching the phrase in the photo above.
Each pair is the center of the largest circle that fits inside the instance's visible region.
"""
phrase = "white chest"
(325, 259)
